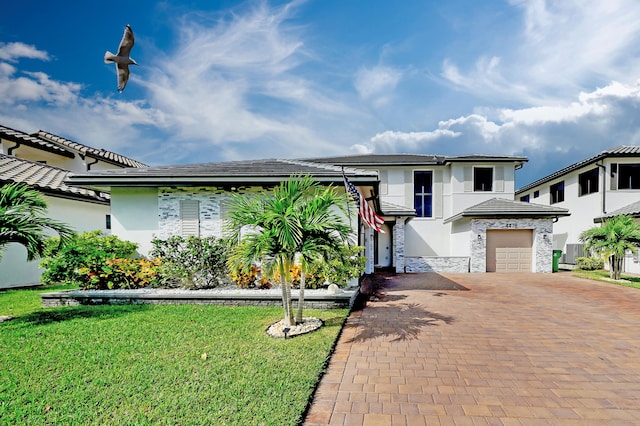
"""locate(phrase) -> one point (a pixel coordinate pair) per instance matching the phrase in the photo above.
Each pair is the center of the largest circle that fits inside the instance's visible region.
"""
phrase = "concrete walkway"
(523, 349)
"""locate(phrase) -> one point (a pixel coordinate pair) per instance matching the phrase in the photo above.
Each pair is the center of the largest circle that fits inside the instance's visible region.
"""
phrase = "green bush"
(88, 250)
(342, 266)
(123, 273)
(589, 263)
(192, 262)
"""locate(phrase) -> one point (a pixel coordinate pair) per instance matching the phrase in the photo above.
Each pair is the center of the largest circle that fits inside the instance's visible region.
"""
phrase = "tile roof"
(632, 209)
(44, 178)
(618, 151)
(391, 209)
(412, 159)
(23, 138)
(241, 172)
(102, 154)
(501, 207)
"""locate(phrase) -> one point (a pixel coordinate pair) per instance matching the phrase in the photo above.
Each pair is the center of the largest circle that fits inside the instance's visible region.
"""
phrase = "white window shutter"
(468, 179)
(437, 194)
(498, 179)
(189, 218)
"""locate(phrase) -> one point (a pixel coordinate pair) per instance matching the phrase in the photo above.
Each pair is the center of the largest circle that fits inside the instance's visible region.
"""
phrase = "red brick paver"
(522, 349)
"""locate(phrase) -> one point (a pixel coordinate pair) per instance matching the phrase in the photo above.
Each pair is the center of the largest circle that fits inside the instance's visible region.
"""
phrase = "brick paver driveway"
(513, 349)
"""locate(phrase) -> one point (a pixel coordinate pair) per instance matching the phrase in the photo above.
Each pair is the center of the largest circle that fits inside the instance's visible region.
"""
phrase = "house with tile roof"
(43, 161)
(442, 213)
(593, 189)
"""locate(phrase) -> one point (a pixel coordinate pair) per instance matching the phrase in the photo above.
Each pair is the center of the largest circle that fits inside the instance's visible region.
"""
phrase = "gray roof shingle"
(412, 159)
(240, 172)
(33, 141)
(501, 207)
(632, 209)
(44, 178)
(618, 151)
(102, 154)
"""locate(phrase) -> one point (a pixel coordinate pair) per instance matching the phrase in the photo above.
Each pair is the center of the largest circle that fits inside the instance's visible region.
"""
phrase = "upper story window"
(588, 182)
(423, 193)
(525, 198)
(536, 194)
(628, 175)
(557, 192)
(483, 178)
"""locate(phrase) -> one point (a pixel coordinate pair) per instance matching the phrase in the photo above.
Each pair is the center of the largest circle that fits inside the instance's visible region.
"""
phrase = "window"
(628, 176)
(483, 178)
(189, 218)
(525, 198)
(557, 192)
(107, 221)
(536, 194)
(423, 195)
(588, 182)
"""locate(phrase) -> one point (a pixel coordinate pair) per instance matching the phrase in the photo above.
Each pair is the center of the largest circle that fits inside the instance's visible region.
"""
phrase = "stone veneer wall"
(542, 240)
(398, 245)
(436, 264)
(169, 209)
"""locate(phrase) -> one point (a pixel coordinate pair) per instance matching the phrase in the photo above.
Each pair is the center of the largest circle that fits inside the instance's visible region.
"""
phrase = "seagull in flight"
(122, 58)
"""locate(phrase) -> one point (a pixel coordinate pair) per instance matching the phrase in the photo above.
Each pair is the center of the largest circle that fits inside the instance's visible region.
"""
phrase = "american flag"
(364, 210)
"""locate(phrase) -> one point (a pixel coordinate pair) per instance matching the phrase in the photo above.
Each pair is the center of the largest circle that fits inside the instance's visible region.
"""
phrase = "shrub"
(192, 262)
(249, 279)
(589, 263)
(88, 250)
(123, 273)
(342, 266)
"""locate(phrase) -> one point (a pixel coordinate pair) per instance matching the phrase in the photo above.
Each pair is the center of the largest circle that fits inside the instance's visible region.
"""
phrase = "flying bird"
(122, 58)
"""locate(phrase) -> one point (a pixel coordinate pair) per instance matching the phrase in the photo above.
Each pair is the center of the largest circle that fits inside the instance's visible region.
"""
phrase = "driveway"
(485, 349)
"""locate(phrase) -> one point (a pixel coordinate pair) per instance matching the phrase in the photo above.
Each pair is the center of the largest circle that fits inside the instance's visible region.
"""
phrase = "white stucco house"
(601, 186)
(454, 214)
(43, 160)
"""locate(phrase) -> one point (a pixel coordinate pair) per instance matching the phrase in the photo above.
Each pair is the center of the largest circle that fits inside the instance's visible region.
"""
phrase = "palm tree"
(324, 231)
(295, 220)
(23, 220)
(611, 240)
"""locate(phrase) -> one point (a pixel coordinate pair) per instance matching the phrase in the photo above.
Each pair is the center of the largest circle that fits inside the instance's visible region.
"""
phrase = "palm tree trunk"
(286, 295)
(301, 297)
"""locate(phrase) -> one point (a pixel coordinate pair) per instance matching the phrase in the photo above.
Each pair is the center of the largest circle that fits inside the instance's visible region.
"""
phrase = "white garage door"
(509, 250)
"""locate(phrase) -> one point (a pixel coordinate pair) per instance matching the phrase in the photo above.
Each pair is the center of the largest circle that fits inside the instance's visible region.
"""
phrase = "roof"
(65, 147)
(390, 209)
(45, 178)
(101, 154)
(618, 151)
(247, 172)
(33, 141)
(632, 209)
(500, 207)
(413, 159)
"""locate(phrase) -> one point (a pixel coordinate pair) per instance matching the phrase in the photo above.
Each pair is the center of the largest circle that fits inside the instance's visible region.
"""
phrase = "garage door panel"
(509, 250)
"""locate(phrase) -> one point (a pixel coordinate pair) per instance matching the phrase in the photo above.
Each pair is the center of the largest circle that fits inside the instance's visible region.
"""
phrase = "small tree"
(23, 220)
(611, 241)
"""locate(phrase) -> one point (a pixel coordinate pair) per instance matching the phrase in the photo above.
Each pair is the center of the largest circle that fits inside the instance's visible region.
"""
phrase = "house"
(43, 161)
(454, 214)
(595, 188)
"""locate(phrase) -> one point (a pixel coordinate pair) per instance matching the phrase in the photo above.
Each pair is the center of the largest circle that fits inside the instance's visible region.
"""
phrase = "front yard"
(160, 364)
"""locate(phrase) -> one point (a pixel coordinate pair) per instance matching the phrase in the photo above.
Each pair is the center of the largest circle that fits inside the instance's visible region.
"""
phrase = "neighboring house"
(453, 214)
(601, 186)
(43, 161)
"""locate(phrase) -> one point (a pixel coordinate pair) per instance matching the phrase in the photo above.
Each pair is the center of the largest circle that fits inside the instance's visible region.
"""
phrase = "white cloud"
(563, 48)
(600, 119)
(376, 83)
(12, 52)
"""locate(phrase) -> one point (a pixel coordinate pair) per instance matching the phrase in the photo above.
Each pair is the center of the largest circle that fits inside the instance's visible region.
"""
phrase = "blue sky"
(556, 81)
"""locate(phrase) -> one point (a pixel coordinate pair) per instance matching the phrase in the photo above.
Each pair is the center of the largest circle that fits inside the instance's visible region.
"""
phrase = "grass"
(600, 275)
(144, 364)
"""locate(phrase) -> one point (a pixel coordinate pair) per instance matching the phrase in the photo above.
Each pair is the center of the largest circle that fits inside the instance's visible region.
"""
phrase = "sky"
(223, 80)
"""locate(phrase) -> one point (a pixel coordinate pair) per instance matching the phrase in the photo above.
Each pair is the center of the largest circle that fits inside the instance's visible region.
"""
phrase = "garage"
(509, 250)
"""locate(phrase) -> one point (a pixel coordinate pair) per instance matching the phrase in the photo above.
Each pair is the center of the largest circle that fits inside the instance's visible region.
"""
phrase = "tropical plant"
(23, 220)
(611, 241)
(90, 250)
(192, 262)
(298, 219)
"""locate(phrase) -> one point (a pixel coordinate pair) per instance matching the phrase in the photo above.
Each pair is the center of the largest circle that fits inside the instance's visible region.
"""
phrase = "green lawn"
(627, 280)
(144, 364)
